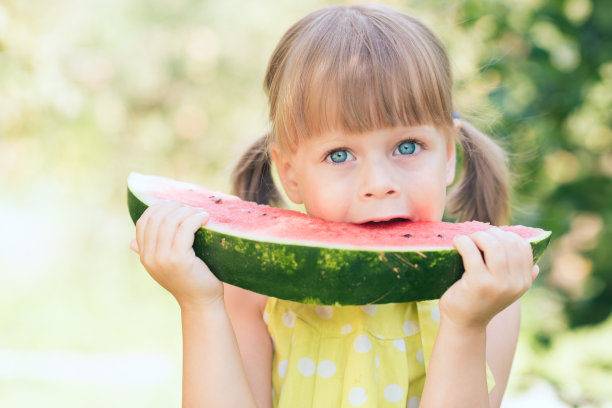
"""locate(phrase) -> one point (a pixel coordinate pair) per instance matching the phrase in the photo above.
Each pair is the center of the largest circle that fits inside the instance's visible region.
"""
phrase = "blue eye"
(406, 148)
(339, 156)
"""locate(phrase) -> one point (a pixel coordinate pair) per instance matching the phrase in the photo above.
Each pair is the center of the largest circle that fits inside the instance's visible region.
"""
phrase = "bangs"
(357, 69)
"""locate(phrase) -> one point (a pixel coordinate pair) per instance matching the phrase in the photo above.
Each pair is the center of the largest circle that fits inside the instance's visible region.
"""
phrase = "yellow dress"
(351, 356)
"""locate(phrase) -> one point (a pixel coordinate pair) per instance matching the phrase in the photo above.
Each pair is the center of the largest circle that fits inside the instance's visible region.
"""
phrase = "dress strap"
(429, 321)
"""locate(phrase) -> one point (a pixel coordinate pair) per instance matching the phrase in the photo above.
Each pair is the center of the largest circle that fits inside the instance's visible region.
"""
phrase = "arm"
(245, 309)
(502, 337)
(213, 374)
(479, 318)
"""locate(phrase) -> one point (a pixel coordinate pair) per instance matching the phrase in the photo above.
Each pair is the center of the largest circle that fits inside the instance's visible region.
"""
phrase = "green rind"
(327, 275)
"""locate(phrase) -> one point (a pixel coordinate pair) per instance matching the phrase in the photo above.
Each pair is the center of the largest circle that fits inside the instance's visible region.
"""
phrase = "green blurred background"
(90, 91)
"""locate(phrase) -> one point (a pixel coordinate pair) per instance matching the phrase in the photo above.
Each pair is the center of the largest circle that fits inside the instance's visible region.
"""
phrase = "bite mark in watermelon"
(290, 255)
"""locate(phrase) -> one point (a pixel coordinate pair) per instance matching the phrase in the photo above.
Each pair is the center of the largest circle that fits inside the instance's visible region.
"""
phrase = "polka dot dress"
(351, 356)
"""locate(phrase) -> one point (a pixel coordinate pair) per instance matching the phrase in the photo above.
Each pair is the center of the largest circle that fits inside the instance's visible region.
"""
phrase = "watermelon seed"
(264, 214)
(217, 201)
(440, 236)
(408, 235)
(211, 196)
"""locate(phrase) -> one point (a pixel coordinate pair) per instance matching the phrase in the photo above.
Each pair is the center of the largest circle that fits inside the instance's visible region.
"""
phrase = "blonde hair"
(364, 67)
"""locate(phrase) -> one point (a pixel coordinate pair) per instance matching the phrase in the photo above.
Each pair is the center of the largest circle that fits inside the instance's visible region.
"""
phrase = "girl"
(363, 130)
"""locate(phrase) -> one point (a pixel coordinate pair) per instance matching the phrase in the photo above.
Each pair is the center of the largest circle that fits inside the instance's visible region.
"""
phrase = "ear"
(286, 173)
(451, 155)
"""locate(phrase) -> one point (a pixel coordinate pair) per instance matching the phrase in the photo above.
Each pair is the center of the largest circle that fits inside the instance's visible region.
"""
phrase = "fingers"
(158, 227)
(493, 249)
(170, 226)
(507, 258)
(153, 217)
(185, 233)
(519, 256)
(471, 255)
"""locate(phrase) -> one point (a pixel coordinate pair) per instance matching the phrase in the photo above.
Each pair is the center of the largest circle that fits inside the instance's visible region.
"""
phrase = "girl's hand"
(493, 279)
(164, 240)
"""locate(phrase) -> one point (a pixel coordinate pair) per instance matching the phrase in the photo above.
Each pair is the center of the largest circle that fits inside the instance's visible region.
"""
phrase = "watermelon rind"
(328, 275)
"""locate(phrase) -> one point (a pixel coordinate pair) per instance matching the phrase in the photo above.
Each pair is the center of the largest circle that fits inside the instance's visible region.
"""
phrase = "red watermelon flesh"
(262, 222)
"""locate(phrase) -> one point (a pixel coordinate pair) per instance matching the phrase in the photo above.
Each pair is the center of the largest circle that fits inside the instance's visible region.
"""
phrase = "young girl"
(363, 130)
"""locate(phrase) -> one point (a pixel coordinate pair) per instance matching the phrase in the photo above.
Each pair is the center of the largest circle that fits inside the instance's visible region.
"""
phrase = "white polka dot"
(420, 356)
(399, 344)
(266, 317)
(435, 314)
(306, 367)
(394, 393)
(346, 329)
(326, 368)
(282, 368)
(369, 309)
(411, 327)
(362, 344)
(289, 319)
(357, 396)
(413, 402)
(325, 312)
(377, 362)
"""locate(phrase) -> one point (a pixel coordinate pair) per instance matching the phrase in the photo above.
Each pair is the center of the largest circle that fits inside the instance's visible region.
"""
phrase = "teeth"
(397, 219)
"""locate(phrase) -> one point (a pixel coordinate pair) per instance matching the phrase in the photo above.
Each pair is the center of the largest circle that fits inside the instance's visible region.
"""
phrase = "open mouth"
(383, 221)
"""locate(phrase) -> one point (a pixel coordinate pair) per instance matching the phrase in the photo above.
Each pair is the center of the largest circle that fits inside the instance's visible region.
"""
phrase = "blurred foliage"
(553, 61)
(91, 91)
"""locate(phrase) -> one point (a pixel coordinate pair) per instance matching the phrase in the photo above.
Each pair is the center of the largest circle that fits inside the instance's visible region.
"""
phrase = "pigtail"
(252, 176)
(483, 191)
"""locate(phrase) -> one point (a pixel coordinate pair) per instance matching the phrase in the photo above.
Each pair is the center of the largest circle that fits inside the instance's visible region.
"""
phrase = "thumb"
(134, 246)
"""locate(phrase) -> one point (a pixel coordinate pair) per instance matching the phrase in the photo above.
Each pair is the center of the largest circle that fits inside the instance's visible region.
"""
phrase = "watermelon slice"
(293, 256)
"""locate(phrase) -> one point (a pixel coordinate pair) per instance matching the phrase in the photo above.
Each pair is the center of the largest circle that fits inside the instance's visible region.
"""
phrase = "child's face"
(400, 172)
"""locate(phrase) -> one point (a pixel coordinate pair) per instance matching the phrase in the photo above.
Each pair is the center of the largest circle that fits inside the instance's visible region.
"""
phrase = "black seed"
(440, 236)
(264, 214)
(408, 235)
(217, 201)
(211, 196)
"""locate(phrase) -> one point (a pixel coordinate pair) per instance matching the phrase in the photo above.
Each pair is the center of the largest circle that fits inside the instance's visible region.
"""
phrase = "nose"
(378, 181)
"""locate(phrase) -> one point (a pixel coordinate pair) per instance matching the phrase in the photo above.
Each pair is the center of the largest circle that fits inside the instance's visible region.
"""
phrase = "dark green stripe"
(326, 275)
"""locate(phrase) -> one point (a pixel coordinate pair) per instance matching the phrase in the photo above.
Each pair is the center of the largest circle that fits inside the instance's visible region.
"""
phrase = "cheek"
(326, 200)
(428, 194)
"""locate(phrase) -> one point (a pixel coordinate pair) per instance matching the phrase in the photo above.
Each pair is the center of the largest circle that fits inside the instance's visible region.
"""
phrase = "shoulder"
(242, 302)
